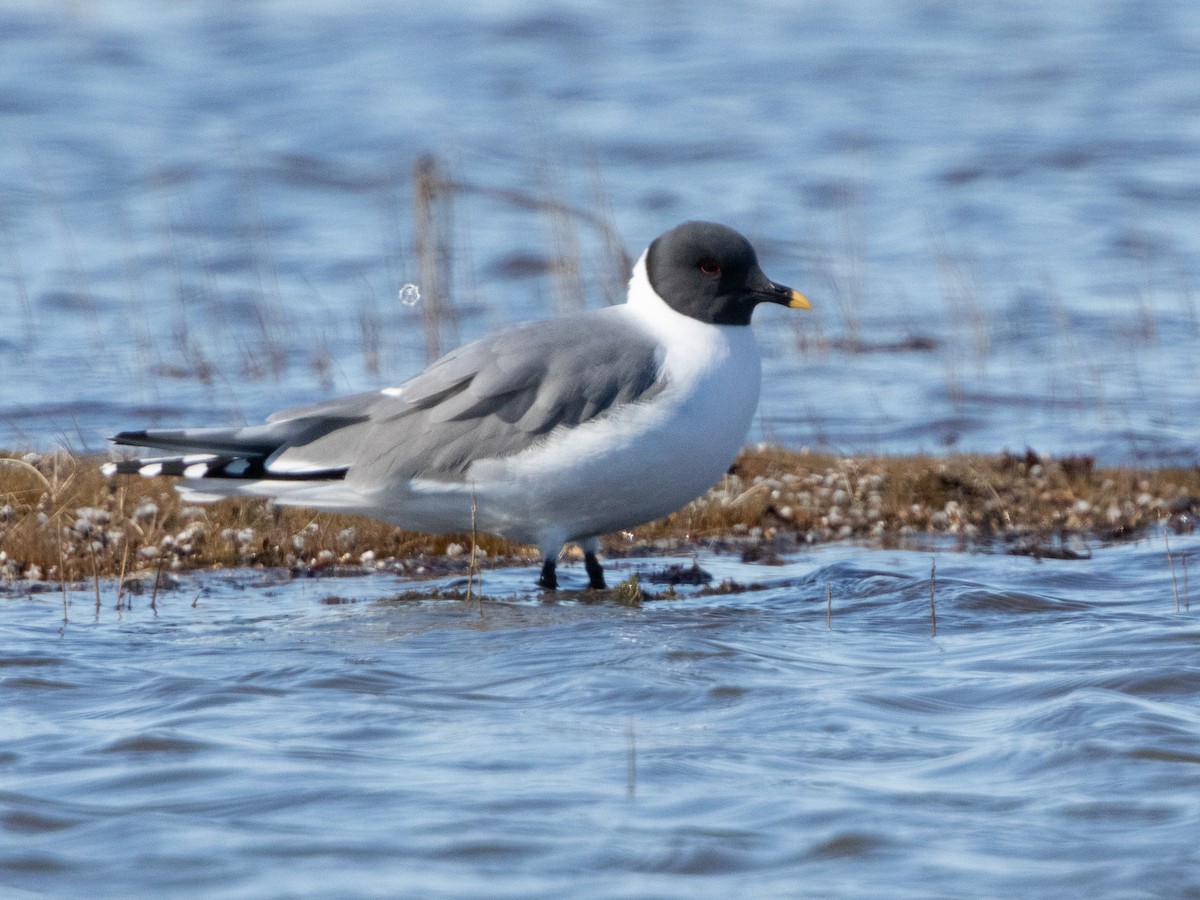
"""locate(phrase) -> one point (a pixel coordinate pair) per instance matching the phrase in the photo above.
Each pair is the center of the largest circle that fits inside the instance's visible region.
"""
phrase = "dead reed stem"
(1171, 564)
(157, 580)
(26, 467)
(614, 260)
(523, 200)
(62, 574)
(566, 277)
(433, 195)
(121, 577)
(95, 574)
(473, 566)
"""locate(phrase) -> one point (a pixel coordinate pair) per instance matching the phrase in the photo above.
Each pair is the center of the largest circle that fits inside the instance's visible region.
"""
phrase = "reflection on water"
(259, 737)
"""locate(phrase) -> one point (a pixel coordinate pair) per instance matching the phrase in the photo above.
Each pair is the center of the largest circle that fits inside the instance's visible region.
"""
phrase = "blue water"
(259, 737)
(206, 214)
(203, 202)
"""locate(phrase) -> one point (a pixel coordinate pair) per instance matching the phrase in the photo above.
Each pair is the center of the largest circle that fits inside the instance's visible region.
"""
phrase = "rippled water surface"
(206, 214)
(259, 737)
(207, 208)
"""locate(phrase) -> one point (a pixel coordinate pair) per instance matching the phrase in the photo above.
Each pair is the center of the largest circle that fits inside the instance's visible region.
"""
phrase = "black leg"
(549, 579)
(595, 572)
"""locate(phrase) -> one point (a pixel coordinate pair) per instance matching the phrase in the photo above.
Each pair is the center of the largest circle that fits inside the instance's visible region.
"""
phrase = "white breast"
(643, 460)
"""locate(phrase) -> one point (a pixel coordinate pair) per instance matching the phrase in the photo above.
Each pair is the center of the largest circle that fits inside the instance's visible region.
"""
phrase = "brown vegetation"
(62, 520)
(1025, 502)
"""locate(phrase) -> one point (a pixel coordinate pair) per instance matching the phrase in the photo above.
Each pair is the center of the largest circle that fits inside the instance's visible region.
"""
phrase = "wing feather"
(489, 399)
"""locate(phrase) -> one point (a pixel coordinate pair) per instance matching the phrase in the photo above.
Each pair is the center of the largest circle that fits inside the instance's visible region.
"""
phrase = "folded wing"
(489, 399)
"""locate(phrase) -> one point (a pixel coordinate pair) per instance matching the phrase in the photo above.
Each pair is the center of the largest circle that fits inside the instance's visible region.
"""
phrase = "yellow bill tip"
(797, 300)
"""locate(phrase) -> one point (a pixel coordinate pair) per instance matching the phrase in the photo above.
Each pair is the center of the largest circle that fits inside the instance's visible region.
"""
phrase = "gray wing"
(488, 399)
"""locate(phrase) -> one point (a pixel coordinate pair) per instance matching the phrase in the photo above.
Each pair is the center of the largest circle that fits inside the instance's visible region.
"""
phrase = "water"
(259, 737)
(206, 215)
(207, 208)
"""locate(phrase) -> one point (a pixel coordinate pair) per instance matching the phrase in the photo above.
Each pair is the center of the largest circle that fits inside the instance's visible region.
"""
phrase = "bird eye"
(710, 267)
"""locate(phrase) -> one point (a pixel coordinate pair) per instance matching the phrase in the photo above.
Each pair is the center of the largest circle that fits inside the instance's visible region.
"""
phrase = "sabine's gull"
(546, 432)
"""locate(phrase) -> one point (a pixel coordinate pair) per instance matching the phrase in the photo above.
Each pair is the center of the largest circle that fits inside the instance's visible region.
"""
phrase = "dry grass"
(62, 520)
(1026, 501)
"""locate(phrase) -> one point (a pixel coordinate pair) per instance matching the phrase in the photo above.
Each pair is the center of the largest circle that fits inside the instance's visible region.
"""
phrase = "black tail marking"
(238, 468)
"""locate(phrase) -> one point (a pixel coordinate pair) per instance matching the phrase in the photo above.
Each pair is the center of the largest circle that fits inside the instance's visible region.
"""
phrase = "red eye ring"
(710, 267)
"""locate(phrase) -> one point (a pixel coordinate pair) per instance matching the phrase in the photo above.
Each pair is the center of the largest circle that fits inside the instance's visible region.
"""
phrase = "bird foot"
(595, 572)
(549, 578)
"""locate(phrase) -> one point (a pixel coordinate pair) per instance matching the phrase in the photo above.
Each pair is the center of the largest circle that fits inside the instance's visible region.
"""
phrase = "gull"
(545, 432)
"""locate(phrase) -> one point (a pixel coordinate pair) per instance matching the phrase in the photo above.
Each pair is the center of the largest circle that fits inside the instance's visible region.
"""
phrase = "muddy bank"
(61, 519)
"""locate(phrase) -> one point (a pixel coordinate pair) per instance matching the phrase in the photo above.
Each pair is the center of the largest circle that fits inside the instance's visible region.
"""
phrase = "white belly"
(636, 464)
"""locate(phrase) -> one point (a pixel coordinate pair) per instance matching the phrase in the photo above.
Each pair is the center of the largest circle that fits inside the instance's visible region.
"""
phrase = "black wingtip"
(133, 438)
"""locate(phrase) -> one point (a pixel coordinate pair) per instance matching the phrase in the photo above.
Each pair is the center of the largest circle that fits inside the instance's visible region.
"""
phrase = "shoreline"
(63, 521)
